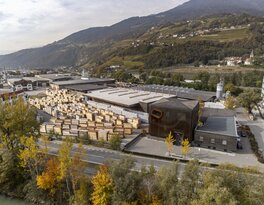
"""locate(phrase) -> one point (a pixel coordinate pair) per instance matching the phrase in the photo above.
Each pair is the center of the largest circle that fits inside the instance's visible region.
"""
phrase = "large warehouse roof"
(184, 93)
(85, 87)
(220, 125)
(80, 81)
(126, 97)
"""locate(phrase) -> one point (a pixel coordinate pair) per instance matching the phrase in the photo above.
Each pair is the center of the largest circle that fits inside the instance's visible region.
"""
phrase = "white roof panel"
(127, 97)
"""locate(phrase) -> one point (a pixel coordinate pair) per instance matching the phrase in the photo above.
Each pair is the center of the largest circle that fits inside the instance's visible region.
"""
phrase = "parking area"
(242, 158)
(256, 127)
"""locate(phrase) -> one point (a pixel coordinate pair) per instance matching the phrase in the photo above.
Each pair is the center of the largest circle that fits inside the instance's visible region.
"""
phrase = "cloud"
(32, 23)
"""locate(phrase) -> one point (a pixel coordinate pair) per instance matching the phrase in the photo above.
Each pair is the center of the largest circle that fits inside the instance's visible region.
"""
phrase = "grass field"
(228, 35)
(189, 71)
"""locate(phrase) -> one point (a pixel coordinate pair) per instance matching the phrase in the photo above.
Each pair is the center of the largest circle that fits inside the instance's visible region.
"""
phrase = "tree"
(155, 201)
(230, 103)
(77, 168)
(65, 162)
(23, 119)
(188, 183)
(103, 187)
(29, 155)
(204, 76)
(115, 142)
(11, 174)
(83, 194)
(167, 186)
(214, 194)
(234, 90)
(200, 111)
(169, 142)
(250, 99)
(126, 182)
(50, 179)
(17, 119)
(185, 146)
(146, 194)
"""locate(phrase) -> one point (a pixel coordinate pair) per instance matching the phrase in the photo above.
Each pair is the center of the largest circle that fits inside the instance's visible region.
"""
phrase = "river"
(9, 201)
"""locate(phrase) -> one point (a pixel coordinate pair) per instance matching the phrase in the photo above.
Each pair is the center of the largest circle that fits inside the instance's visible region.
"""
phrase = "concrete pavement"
(256, 127)
(242, 158)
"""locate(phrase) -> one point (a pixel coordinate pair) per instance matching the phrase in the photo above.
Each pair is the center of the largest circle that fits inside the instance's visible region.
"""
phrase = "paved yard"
(242, 158)
(257, 127)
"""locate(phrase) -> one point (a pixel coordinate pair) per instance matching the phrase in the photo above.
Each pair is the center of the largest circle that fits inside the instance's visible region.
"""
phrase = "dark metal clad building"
(173, 115)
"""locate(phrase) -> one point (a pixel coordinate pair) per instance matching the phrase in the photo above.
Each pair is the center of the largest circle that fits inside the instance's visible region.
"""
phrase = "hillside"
(94, 46)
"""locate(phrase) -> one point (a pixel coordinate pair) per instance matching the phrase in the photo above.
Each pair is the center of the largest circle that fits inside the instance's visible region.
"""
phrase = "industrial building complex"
(99, 109)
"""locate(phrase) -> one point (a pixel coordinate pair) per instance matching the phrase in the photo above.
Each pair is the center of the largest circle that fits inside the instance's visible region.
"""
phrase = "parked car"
(239, 145)
(241, 133)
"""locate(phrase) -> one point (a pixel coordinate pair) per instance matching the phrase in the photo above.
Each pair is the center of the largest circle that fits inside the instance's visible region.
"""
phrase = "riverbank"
(11, 201)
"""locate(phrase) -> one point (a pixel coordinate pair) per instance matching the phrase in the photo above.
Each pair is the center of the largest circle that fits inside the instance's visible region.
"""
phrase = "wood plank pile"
(72, 117)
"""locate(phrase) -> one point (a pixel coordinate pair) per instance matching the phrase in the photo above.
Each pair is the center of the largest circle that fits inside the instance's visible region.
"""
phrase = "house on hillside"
(233, 61)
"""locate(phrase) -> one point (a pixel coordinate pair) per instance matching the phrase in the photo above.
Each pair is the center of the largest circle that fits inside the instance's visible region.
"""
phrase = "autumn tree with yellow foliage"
(169, 142)
(200, 111)
(230, 103)
(77, 168)
(29, 156)
(50, 179)
(65, 162)
(185, 148)
(103, 187)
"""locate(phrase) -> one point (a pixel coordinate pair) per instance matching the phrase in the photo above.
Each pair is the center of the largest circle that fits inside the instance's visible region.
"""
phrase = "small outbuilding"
(218, 133)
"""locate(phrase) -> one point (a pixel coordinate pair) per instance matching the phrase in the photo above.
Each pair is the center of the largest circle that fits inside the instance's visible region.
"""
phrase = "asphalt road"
(99, 156)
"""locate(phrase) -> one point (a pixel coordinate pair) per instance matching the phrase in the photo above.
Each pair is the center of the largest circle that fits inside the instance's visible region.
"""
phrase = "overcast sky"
(33, 23)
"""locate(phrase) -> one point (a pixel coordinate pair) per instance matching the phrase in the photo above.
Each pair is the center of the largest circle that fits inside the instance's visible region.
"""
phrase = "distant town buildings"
(233, 61)
(250, 60)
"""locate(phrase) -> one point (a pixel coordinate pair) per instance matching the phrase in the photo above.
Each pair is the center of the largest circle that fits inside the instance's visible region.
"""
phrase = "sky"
(34, 23)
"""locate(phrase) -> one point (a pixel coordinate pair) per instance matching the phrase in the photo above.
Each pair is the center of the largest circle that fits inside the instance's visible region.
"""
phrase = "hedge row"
(254, 144)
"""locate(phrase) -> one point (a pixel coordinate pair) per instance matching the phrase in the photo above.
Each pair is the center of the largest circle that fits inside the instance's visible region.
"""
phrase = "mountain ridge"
(77, 48)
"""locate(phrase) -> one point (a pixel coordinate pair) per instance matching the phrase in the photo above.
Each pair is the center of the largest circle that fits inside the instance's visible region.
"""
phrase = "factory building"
(218, 133)
(55, 77)
(18, 84)
(173, 115)
(128, 98)
(37, 82)
(77, 82)
(179, 92)
(85, 88)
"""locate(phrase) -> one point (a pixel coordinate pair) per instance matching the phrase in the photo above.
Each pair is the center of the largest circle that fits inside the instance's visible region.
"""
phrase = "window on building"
(212, 141)
(224, 142)
(201, 138)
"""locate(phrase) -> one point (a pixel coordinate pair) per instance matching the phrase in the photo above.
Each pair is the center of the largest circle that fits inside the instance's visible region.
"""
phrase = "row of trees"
(117, 184)
(62, 180)
(203, 80)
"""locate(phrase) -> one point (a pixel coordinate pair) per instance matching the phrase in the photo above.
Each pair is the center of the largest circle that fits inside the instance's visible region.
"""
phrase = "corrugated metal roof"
(80, 81)
(180, 92)
(126, 97)
(85, 87)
